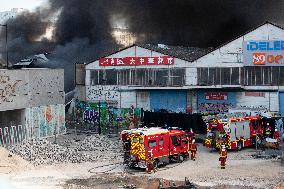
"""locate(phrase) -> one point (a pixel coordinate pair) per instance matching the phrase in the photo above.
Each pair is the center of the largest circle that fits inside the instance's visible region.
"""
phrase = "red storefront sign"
(136, 61)
(216, 96)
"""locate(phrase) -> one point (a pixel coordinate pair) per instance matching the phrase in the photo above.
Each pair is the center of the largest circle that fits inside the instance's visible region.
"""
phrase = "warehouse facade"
(179, 79)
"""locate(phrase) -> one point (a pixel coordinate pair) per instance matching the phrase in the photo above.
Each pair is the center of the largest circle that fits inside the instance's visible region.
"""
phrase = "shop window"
(152, 143)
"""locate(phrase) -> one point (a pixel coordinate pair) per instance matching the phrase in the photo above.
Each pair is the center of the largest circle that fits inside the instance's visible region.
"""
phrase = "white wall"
(269, 101)
(31, 87)
(143, 100)
(231, 54)
(128, 99)
(102, 93)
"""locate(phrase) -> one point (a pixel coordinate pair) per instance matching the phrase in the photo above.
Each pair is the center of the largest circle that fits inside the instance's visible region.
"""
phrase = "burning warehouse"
(245, 73)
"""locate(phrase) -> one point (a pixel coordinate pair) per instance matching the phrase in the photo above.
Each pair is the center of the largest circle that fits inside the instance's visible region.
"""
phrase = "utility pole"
(99, 129)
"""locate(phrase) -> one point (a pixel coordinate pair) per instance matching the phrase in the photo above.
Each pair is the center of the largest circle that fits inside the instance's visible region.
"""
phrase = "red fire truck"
(234, 133)
(162, 145)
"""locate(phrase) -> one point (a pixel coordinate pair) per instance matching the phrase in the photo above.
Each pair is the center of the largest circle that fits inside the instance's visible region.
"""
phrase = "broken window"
(161, 77)
(111, 77)
(177, 76)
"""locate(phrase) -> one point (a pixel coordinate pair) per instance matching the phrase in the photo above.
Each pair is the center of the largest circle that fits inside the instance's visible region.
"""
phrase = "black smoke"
(200, 23)
(83, 27)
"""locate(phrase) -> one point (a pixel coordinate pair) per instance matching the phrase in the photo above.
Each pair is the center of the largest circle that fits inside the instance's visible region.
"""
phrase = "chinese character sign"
(263, 53)
(136, 61)
(216, 96)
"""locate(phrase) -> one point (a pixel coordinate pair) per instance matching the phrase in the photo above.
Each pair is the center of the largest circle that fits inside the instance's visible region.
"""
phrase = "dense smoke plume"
(83, 27)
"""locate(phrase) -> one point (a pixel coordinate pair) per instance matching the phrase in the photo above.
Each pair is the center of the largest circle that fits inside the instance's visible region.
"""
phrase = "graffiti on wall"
(12, 135)
(108, 117)
(216, 101)
(214, 108)
(103, 93)
(7, 88)
(46, 121)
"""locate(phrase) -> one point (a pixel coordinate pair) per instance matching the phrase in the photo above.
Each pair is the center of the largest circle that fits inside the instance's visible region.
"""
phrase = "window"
(177, 77)
(140, 140)
(111, 77)
(175, 140)
(161, 77)
(134, 140)
(152, 143)
(161, 142)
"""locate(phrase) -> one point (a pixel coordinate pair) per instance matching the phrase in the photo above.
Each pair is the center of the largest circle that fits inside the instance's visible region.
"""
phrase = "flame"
(48, 34)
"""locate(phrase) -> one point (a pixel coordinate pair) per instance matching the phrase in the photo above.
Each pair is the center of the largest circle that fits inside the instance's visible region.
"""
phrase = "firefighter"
(191, 135)
(193, 149)
(276, 135)
(268, 131)
(223, 156)
(150, 164)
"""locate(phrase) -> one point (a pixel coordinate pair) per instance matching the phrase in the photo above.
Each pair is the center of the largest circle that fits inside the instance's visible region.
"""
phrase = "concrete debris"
(91, 149)
(268, 154)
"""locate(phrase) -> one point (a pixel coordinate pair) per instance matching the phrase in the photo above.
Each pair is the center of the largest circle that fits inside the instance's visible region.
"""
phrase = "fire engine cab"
(161, 145)
(234, 133)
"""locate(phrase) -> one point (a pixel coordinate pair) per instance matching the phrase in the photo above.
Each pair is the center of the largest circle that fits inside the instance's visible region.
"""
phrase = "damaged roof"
(185, 53)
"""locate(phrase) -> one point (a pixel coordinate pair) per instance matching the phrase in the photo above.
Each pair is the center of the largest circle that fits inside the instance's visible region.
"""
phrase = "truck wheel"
(239, 146)
(180, 158)
(156, 164)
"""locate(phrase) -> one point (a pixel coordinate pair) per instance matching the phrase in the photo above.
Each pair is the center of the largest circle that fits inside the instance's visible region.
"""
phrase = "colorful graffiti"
(12, 135)
(109, 118)
(46, 121)
(214, 108)
(216, 101)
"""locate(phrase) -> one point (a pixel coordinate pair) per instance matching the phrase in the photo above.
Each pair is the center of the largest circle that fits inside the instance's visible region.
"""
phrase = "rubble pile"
(102, 143)
(91, 149)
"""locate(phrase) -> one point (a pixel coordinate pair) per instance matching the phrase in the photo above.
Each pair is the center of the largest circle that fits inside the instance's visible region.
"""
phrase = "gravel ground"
(69, 149)
(242, 171)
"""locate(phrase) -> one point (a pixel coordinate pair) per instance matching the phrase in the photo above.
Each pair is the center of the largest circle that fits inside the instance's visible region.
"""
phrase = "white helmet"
(193, 140)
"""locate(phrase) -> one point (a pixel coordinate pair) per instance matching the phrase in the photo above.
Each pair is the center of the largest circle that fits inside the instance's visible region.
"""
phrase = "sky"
(7, 5)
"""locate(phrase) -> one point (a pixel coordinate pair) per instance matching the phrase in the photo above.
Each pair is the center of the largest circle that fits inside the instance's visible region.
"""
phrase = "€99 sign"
(263, 53)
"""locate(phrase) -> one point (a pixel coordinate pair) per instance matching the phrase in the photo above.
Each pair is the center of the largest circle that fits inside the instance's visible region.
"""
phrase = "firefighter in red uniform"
(276, 135)
(223, 156)
(193, 149)
(150, 164)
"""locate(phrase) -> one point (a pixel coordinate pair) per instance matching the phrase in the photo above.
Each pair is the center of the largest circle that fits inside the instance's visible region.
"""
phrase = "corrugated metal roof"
(185, 53)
